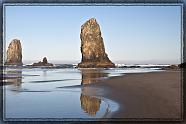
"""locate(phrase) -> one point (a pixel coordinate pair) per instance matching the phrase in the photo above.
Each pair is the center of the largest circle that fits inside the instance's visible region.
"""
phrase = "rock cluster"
(14, 53)
(43, 63)
(92, 47)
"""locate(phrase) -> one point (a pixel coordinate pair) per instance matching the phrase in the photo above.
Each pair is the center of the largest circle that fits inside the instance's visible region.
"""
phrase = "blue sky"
(131, 34)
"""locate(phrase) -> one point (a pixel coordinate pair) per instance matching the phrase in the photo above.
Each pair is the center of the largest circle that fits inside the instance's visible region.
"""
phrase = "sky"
(131, 34)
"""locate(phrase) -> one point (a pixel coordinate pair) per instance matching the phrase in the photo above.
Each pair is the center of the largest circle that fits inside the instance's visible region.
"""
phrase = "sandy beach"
(154, 95)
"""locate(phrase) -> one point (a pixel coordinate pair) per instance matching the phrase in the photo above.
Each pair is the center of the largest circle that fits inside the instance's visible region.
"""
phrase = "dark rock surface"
(182, 65)
(92, 47)
(14, 53)
(43, 63)
(171, 67)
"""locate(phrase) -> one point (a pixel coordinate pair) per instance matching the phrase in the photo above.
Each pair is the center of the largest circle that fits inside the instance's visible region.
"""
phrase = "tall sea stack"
(14, 53)
(92, 47)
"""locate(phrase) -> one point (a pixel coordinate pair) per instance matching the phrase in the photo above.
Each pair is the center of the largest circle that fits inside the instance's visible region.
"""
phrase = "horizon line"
(114, 61)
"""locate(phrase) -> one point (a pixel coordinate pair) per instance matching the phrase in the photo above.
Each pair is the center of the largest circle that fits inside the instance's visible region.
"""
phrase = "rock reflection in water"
(92, 76)
(13, 77)
(90, 104)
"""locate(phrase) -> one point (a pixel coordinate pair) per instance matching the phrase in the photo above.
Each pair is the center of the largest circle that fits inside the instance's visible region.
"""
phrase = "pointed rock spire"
(92, 47)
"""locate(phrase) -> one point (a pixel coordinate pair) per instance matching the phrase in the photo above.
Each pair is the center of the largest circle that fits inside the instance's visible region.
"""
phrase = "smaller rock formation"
(14, 53)
(43, 63)
(92, 47)
(174, 67)
(171, 67)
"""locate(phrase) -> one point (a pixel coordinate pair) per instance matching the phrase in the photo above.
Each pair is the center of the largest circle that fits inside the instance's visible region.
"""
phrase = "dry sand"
(145, 95)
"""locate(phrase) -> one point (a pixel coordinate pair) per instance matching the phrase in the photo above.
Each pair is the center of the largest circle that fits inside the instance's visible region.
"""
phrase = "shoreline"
(151, 95)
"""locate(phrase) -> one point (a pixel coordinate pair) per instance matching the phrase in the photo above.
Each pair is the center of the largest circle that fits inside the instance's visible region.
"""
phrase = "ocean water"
(59, 93)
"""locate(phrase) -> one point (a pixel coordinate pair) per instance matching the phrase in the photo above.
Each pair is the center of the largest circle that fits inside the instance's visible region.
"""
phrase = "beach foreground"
(153, 95)
(134, 93)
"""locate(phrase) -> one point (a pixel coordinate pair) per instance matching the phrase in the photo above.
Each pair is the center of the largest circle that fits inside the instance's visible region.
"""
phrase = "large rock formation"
(92, 47)
(14, 53)
(43, 63)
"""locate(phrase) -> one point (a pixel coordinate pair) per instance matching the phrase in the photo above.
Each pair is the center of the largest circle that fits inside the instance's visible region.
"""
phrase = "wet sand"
(154, 95)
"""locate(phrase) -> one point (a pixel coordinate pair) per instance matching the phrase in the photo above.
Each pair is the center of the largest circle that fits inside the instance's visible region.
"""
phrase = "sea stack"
(43, 63)
(92, 47)
(14, 53)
